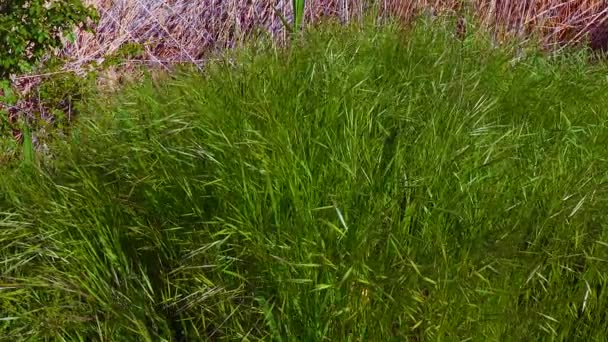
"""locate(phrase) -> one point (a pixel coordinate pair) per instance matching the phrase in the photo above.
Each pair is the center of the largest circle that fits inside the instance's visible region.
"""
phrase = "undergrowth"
(363, 185)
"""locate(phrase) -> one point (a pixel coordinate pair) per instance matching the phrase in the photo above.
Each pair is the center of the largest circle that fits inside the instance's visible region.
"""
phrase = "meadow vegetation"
(365, 183)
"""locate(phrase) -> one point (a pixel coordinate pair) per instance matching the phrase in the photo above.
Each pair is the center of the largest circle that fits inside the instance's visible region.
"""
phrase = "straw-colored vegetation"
(187, 30)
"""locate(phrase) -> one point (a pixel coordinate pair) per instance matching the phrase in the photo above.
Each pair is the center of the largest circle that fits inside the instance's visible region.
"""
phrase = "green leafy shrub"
(30, 28)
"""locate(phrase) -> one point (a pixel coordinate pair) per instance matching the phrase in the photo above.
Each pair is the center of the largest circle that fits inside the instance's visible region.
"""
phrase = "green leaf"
(298, 13)
(71, 37)
(28, 146)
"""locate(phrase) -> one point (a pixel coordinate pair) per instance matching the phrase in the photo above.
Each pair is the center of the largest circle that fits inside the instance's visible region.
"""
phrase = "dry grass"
(187, 30)
(555, 22)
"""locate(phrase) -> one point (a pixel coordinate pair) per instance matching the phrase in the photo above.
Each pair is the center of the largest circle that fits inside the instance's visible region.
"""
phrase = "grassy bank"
(365, 185)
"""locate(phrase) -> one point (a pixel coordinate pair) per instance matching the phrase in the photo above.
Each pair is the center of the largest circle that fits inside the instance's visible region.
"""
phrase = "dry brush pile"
(186, 30)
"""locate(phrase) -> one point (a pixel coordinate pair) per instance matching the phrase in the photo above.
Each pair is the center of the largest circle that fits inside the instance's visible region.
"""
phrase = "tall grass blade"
(28, 146)
(298, 14)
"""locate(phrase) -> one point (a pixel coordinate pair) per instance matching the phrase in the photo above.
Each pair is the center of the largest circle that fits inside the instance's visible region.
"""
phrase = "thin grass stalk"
(28, 146)
(298, 13)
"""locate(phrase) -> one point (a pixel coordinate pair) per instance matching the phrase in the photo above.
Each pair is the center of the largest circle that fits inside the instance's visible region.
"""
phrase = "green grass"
(362, 186)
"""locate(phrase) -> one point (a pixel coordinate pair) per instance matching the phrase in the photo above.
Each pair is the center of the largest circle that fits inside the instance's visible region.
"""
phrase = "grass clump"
(362, 185)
